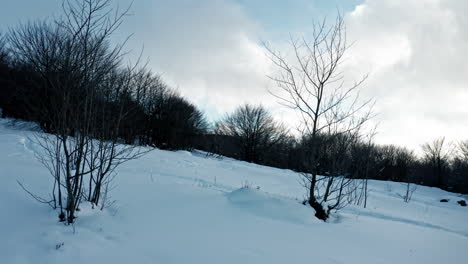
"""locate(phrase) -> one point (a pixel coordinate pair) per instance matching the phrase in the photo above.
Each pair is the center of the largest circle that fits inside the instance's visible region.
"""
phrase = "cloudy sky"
(415, 52)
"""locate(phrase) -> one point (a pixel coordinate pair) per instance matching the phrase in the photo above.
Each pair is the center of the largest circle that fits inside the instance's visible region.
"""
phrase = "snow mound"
(265, 205)
(184, 152)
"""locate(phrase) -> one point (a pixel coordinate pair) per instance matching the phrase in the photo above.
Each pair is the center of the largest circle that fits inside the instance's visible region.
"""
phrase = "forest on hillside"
(69, 78)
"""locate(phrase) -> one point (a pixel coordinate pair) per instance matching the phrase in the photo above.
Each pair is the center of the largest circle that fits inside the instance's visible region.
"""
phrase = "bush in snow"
(87, 92)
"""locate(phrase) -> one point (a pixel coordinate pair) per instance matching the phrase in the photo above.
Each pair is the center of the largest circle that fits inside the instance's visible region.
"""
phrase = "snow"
(182, 207)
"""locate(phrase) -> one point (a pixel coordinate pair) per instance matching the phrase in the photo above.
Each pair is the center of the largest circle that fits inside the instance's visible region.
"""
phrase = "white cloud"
(414, 51)
(209, 49)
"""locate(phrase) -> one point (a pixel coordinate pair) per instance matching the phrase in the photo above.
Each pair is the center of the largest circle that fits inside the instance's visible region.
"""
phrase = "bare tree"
(312, 83)
(437, 155)
(84, 85)
(3, 50)
(363, 154)
(410, 188)
(459, 168)
(404, 166)
(254, 128)
(4, 72)
(395, 163)
(463, 149)
(336, 187)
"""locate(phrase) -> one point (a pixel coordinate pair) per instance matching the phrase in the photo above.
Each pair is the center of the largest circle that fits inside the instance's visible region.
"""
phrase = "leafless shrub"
(86, 88)
(410, 188)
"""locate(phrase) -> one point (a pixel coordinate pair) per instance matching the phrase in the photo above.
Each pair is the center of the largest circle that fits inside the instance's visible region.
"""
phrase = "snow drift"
(179, 207)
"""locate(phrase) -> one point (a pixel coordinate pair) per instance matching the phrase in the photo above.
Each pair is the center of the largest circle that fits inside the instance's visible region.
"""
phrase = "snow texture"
(182, 207)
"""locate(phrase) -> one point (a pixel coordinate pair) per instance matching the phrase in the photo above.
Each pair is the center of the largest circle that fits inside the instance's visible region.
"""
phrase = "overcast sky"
(211, 50)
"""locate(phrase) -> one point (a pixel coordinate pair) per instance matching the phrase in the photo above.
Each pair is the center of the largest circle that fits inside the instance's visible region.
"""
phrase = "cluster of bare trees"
(445, 165)
(311, 82)
(71, 57)
(255, 130)
(65, 75)
(437, 155)
(4, 78)
(3, 50)
(83, 85)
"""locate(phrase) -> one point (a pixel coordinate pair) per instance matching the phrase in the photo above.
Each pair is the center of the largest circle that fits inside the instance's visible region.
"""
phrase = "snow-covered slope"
(181, 207)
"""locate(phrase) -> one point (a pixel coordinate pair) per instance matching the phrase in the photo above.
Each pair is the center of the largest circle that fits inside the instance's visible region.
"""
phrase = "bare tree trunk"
(311, 82)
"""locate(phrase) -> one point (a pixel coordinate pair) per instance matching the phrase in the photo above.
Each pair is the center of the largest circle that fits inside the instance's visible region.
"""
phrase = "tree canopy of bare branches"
(254, 128)
(437, 154)
(84, 85)
(3, 49)
(311, 81)
(463, 149)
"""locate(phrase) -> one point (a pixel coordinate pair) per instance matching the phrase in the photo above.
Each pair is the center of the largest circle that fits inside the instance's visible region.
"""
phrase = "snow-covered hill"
(181, 207)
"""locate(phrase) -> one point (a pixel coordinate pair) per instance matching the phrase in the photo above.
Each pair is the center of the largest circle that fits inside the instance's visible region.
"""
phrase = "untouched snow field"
(181, 207)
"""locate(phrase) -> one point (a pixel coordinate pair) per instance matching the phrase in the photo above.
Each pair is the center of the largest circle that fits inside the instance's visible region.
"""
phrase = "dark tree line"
(35, 77)
(96, 111)
(360, 159)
